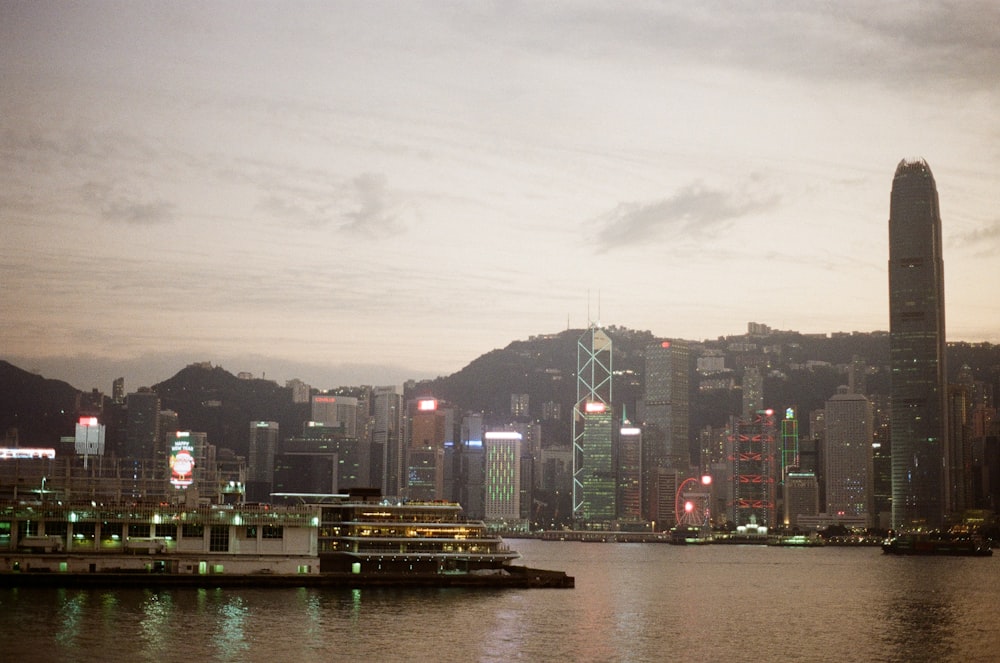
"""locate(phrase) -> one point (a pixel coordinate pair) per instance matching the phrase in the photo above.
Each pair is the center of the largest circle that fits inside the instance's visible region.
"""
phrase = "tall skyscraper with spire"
(593, 458)
(919, 434)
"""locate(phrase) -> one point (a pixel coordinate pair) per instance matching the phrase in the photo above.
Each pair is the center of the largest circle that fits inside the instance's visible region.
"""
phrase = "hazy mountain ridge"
(212, 400)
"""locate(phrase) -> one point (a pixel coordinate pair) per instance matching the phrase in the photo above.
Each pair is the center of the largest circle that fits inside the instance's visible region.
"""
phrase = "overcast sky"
(365, 192)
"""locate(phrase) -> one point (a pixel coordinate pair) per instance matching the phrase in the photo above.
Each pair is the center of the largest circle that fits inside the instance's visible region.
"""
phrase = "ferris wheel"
(692, 502)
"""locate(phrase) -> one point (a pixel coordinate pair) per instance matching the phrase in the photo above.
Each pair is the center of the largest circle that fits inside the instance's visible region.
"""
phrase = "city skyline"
(351, 193)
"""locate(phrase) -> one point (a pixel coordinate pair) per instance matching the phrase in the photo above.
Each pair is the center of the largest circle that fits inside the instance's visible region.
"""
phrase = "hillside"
(802, 372)
(35, 410)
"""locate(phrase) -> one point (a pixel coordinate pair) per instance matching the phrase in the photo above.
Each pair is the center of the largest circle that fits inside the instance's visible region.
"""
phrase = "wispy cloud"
(127, 207)
(364, 205)
(983, 241)
(373, 213)
(694, 211)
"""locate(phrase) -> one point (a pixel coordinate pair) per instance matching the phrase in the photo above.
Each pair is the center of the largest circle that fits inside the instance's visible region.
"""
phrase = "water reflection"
(154, 624)
(631, 603)
(919, 614)
(71, 610)
(231, 638)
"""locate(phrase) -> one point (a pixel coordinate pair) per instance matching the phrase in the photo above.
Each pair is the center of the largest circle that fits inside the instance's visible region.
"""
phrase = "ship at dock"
(325, 540)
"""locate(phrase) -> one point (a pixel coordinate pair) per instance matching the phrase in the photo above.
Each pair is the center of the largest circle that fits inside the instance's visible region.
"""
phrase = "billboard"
(181, 461)
(89, 439)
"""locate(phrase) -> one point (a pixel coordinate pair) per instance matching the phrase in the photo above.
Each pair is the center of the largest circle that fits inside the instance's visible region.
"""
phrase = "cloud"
(363, 206)
(983, 240)
(374, 214)
(126, 207)
(694, 211)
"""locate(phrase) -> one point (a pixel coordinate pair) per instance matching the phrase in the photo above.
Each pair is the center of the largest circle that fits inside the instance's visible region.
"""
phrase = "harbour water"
(632, 602)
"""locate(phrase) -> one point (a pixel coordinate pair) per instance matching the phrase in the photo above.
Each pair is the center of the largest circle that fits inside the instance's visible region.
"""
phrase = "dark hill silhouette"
(35, 409)
(212, 400)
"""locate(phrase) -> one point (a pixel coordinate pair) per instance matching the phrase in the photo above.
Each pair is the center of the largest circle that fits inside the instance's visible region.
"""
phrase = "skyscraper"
(503, 476)
(386, 449)
(848, 457)
(593, 468)
(919, 432)
(630, 473)
(143, 425)
(665, 401)
(753, 458)
(424, 451)
(264, 436)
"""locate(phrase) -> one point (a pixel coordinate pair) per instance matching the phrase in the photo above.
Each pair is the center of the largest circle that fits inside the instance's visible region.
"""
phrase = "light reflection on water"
(632, 602)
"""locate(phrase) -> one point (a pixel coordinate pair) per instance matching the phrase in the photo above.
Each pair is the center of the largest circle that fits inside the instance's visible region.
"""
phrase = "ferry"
(323, 540)
(938, 543)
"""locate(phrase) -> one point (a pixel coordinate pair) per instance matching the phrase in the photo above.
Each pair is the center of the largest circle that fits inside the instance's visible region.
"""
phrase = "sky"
(368, 192)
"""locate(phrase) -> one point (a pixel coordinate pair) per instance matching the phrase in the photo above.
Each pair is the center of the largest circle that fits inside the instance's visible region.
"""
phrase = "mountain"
(801, 371)
(35, 410)
(211, 400)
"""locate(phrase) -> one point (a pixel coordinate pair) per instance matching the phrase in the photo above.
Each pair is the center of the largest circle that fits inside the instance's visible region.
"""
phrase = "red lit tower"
(753, 457)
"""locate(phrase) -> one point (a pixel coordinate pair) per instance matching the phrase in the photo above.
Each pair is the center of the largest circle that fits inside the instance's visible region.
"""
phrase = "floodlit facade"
(503, 476)
(919, 434)
(754, 465)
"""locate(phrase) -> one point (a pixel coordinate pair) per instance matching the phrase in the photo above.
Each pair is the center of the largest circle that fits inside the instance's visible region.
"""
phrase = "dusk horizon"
(385, 192)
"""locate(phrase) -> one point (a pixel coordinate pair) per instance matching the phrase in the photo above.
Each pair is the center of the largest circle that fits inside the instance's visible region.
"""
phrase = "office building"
(427, 434)
(387, 438)
(665, 401)
(260, 468)
(754, 466)
(336, 411)
(593, 464)
(801, 497)
(142, 425)
(503, 477)
(848, 471)
(917, 350)
(630, 484)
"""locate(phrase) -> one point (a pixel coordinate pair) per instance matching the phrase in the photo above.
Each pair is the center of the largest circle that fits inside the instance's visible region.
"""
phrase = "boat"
(687, 535)
(325, 540)
(796, 541)
(387, 536)
(938, 543)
